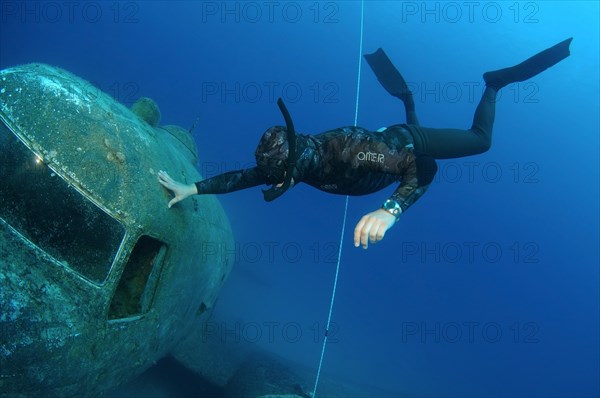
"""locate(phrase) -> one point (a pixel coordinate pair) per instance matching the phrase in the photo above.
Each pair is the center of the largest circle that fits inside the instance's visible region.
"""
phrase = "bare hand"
(181, 191)
(372, 227)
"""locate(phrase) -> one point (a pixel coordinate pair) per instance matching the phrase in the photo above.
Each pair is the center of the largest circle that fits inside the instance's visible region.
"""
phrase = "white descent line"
(337, 269)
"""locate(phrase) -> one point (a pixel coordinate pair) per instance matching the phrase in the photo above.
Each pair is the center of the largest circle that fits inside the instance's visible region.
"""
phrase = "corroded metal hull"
(98, 278)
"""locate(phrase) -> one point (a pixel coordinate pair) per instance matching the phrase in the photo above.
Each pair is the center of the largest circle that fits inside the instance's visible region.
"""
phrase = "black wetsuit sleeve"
(419, 173)
(231, 181)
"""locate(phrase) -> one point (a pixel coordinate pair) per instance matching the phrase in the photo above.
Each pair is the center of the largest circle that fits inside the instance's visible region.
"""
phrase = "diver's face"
(273, 169)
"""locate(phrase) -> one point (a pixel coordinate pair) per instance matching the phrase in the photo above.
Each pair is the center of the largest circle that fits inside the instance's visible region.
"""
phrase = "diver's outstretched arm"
(223, 183)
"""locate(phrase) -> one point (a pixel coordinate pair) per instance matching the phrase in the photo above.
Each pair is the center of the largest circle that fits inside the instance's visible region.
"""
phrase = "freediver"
(355, 161)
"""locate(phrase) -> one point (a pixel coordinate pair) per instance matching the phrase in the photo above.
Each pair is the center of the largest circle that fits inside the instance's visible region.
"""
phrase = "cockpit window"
(53, 215)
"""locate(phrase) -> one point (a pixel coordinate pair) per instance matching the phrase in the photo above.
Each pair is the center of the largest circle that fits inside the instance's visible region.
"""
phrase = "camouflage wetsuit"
(348, 161)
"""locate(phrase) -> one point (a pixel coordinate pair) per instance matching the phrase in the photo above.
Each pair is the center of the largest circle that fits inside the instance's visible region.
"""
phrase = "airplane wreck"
(99, 279)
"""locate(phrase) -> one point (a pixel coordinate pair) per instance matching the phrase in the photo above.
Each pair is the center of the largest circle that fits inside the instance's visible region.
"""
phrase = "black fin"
(388, 75)
(528, 68)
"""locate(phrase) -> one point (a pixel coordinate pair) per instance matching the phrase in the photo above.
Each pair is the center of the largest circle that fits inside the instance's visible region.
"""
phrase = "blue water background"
(488, 285)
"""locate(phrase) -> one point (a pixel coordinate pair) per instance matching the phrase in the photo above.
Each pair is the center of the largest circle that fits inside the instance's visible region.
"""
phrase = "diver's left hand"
(372, 227)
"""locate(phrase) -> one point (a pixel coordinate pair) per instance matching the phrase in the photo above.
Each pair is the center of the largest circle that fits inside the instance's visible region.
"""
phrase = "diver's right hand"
(181, 191)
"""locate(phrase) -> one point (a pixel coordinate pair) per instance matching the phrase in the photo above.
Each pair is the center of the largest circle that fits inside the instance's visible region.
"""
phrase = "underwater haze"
(488, 286)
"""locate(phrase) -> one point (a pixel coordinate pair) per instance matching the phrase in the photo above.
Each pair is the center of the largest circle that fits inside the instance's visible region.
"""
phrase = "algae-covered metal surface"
(98, 278)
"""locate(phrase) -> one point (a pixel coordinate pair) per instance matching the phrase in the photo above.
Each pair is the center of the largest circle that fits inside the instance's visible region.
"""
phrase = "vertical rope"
(360, 50)
(337, 269)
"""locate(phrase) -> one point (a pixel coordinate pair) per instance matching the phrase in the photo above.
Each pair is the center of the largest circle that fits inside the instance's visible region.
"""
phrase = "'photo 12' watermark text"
(70, 12)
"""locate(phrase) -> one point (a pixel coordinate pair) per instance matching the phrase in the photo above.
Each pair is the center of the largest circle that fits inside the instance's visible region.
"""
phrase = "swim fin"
(388, 75)
(528, 68)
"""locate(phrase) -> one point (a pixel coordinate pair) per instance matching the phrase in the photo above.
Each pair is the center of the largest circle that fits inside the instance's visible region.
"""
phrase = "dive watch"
(392, 207)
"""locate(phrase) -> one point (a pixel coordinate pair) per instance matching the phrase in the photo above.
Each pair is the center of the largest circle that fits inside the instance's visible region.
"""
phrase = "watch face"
(391, 206)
